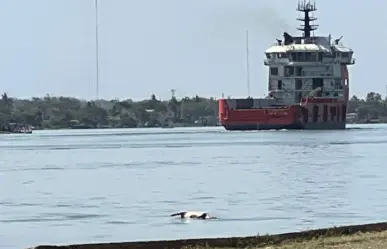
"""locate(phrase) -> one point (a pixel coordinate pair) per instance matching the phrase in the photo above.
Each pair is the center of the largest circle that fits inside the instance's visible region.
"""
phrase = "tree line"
(52, 112)
(373, 108)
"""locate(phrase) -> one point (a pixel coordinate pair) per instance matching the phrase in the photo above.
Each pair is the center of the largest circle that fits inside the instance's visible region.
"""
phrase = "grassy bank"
(344, 237)
(372, 240)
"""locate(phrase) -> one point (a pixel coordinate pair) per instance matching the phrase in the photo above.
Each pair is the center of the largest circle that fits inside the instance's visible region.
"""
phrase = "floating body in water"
(193, 215)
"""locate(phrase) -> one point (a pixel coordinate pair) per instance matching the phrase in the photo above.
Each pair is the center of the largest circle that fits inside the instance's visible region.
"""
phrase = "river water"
(74, 186)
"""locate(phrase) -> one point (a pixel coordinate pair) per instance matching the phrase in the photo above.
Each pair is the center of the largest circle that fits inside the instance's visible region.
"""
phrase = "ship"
(308, 84)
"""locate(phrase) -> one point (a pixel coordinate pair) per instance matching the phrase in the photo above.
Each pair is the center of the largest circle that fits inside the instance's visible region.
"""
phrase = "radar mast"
(307, 7)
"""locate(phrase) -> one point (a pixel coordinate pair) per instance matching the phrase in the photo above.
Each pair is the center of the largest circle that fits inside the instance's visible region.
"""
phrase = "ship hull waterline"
(309, 114)
(294, 126)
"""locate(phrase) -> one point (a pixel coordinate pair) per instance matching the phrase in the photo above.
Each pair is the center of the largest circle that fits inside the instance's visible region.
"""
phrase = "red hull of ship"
(285, 117)
(258, 119)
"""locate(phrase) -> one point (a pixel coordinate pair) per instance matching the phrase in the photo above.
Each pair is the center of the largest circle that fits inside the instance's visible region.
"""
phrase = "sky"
(196, 47)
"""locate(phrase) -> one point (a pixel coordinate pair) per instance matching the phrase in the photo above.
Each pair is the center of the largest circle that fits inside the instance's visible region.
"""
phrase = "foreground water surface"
(74, 186)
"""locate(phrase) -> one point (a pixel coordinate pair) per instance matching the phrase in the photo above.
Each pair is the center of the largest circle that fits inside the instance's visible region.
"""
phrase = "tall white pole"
(96, 48)
(247, 63)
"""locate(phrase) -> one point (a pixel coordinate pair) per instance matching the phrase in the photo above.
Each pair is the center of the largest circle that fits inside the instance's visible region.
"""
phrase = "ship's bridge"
(300, 65)
(313, 50)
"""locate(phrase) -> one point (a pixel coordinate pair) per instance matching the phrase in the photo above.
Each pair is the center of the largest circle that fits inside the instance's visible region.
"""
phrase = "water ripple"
(49, 217)
(124, 184)
(168, 144)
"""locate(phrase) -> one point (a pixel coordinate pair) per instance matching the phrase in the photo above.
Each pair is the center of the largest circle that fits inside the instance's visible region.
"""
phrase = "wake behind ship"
(308, 84)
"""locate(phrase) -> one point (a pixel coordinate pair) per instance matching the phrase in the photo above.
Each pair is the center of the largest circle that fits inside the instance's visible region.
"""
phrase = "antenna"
(247, 63)
(307, 7)
(96, 48)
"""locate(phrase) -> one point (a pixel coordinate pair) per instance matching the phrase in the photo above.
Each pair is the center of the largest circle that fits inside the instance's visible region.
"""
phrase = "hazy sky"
(152, 46)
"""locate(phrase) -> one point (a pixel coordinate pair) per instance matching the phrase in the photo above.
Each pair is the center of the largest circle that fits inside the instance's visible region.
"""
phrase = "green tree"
(65, 112)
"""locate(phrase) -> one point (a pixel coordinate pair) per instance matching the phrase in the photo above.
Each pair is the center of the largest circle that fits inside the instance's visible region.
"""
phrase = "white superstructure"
(301, 66)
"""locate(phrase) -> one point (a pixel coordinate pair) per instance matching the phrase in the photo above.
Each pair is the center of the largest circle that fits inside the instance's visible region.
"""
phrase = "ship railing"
(304, 86)
(276, 61)
(330, 90)
(310, 75)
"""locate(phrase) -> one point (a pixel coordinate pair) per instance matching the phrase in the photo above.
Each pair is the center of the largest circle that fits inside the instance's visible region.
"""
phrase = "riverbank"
(374, 240)
(344, 237)
(65, 112)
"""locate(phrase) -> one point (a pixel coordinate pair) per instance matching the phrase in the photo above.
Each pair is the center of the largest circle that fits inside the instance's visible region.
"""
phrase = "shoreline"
(262, 241)
(110, 128)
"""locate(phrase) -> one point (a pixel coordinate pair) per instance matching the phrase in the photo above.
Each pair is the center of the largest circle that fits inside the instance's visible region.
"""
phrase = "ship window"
(294, 56)
(345, 55)
(274, 70)
(299, 97)
(279, 86)
(313, 56)
(289, 71)
(299, 71)
(298, 84)
(268, 56)
(301, 56)
(317, 82)
(282, 55)
(337, 83)
(308, 56)
(320, 56)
